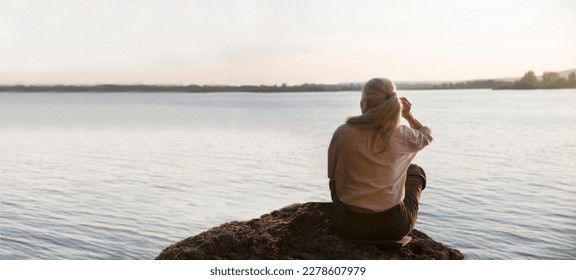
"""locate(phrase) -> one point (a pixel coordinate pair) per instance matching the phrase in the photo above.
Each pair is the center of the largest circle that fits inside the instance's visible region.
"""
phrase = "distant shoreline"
(476, 84)
(177, 88)
(488, 84)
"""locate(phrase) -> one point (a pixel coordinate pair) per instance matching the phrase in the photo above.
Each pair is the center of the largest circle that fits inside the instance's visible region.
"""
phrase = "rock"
(298, 231)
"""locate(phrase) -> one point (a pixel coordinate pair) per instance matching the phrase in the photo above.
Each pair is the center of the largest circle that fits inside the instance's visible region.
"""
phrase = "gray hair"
(381, 111)
(378, 87)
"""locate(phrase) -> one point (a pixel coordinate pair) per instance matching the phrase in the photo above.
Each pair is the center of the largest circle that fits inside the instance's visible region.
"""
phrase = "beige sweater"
(368, 181)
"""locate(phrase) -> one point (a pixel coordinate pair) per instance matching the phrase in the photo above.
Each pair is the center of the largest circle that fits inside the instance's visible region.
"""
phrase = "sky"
(216, 42)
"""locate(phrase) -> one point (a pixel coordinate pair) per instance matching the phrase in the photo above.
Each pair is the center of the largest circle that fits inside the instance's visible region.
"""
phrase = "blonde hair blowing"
(381, 111)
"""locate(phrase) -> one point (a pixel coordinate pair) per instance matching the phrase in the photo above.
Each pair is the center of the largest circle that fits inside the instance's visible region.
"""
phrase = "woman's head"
(381, 109)
(375, 92)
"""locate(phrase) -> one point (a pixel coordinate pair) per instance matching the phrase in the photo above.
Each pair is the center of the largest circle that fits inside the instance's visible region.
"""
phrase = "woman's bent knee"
(415, 171)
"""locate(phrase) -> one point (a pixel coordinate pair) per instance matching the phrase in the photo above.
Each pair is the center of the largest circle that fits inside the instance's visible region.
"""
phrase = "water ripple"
(125, 181)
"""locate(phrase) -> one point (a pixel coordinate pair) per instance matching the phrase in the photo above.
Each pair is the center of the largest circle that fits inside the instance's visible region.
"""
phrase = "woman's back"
(371, 179)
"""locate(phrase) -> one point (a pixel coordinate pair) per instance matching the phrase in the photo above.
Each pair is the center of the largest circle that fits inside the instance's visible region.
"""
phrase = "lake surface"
(124, 175)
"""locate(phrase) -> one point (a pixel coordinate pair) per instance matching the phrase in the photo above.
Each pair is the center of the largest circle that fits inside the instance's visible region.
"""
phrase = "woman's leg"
(415, 184)
(394, 223)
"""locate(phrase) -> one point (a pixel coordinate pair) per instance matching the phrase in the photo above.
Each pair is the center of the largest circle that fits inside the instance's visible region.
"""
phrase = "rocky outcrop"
(299, 231)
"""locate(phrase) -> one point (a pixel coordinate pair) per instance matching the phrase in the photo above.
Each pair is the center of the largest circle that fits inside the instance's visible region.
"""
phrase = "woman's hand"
(406, 106)
(407, 114)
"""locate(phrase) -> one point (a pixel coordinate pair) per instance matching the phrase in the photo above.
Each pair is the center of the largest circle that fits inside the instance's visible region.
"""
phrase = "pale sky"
(285, 41)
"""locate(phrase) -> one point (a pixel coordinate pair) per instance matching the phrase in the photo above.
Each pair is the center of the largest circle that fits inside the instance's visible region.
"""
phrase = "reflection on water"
(122, 176)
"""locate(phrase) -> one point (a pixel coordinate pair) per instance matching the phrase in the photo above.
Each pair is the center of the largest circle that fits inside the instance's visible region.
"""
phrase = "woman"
(374, 186)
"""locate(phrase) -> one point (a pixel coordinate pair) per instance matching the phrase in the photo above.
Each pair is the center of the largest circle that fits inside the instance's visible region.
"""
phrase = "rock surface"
(298, 231)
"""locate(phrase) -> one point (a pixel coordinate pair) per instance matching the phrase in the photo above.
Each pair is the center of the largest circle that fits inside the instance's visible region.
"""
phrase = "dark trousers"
(393, 223)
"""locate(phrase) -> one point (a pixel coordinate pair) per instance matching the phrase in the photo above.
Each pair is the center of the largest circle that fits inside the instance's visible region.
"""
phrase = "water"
(122, 176)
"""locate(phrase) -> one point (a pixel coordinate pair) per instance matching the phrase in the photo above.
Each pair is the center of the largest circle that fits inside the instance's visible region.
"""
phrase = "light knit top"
(368, 181)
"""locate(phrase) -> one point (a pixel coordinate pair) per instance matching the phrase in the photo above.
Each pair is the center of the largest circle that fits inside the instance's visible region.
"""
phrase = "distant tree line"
(179, 88)
(476, 84)
(244, 88)
(549, 80)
